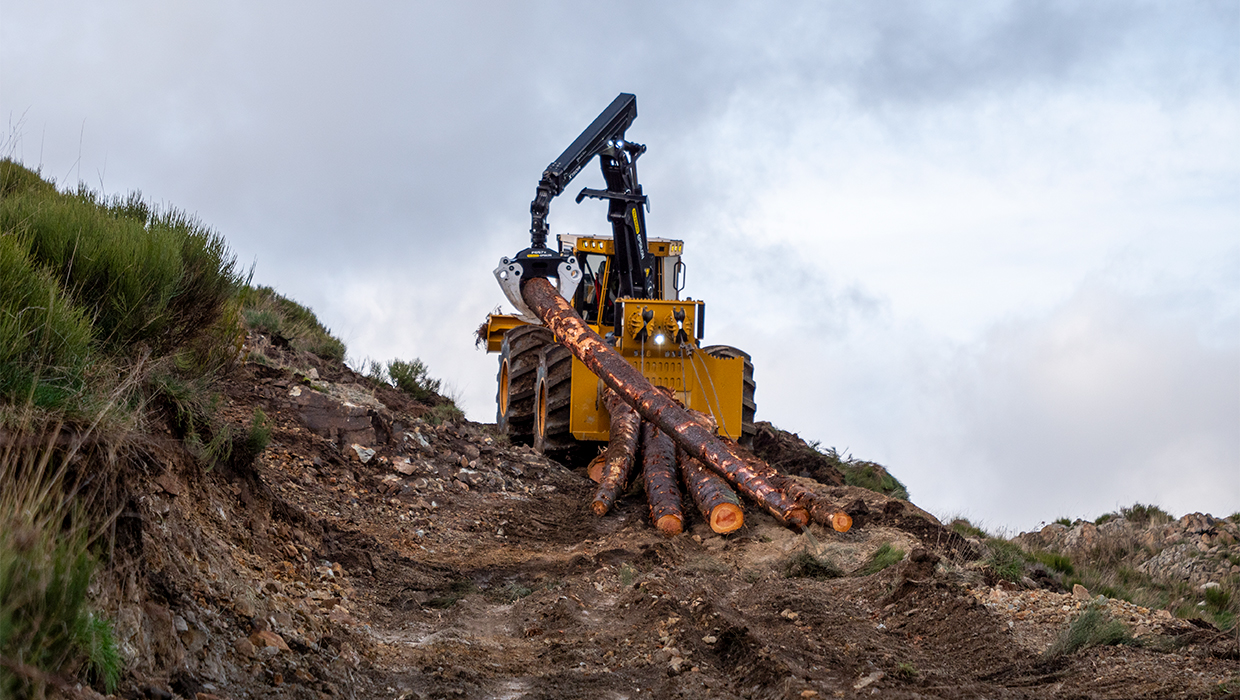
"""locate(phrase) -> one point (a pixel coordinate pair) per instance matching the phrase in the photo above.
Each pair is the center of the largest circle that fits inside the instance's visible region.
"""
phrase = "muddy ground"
(450, 564)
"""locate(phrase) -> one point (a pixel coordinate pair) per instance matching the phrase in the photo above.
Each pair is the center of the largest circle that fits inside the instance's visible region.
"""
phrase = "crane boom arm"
(604, 137)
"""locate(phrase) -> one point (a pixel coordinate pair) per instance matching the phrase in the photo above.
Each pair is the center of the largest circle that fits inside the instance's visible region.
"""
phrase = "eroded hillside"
(376, 550)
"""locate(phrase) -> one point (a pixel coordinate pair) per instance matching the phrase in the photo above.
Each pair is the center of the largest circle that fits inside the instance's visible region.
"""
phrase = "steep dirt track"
(451, 565)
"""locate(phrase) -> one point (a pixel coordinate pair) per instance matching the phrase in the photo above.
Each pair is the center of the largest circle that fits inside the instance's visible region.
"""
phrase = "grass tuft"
(627, 574)
(286, 322)
(1141, 514)
(412, 378)
(1007, 560)
(883, 557)
(1056, 562)
(46, 567)
(967, 529)
(1090, 628)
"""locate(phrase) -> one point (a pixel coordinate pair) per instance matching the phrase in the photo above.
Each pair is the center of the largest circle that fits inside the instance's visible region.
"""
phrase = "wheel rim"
(540, 411)
(503, 387)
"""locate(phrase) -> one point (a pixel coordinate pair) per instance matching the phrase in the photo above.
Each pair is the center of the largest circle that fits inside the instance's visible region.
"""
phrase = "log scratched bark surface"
(654, 406)
(716, 501)
(659, 469)
(620, 455)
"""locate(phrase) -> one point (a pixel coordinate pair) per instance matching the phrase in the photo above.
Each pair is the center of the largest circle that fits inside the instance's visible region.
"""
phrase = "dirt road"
(449, 564)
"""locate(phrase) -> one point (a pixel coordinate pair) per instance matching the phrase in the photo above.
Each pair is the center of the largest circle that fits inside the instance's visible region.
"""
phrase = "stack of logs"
(673, 440)
(664, 467)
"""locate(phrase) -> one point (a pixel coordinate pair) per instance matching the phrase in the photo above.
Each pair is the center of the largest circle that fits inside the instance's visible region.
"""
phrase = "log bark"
(660, 474)
(620, 455)
(820, 510)
(653, 405)
(716, 501)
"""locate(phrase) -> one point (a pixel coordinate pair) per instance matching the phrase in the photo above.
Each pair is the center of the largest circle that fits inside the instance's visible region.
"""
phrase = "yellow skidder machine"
(627, 286)
(611, 352)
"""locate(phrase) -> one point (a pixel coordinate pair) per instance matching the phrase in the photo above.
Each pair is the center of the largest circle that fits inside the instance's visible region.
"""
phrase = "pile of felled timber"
(665, 467)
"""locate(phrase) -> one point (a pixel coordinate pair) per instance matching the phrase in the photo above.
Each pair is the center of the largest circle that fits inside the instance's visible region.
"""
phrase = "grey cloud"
(376, 161)
(1108, 397)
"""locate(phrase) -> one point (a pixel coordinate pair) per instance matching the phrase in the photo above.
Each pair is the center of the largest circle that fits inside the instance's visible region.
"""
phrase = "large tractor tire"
(748, 406)
(518, 372)
(553, 391)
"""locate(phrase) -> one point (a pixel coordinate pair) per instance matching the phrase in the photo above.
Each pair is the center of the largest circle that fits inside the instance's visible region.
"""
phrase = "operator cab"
(596, 296)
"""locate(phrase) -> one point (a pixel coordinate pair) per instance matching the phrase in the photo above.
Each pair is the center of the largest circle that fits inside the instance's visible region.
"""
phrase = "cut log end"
(600, 508)
(670, 526)
(841, 521)
(726, 517)
(595, 470)
(797, 516)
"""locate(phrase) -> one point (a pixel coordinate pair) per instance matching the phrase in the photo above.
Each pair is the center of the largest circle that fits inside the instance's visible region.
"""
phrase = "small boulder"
(361, 453)
(267, 638)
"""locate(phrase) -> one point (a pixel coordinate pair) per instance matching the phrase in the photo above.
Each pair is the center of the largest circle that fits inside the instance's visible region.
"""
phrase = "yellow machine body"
(660, 337)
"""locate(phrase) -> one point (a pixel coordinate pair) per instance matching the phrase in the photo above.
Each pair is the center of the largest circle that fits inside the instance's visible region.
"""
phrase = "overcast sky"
(993, 246)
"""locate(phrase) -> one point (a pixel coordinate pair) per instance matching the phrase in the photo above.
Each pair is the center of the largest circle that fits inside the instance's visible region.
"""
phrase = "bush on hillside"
(413, 379)
(863, 474)
(45, 341)
(45, 570)
(873, 476)
(89, 280)
(145, 277)
(289, 323)
(1090, 628)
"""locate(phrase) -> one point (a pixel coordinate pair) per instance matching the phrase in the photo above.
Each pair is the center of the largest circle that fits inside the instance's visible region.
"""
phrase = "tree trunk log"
(716, 501)
(595, 468)
(819, 509)
(620, 455)
(662, 493)
(654, 406)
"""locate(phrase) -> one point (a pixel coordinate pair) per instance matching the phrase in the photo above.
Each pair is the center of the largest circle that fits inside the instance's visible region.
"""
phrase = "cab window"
(589, 292)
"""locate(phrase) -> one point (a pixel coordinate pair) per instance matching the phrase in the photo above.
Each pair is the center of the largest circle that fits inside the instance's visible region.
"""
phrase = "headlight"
(659, 339)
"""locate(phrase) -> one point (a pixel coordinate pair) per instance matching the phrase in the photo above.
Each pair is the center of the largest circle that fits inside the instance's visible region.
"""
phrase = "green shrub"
(143, 277)
(872, 476)
(377, 373)
(968, 529)
(1007, 560)
(263, 320)
(1090, 628)
(1141, 514)
(45, 341)
(284, 320)
(16, 178)
(45, 572)
(1056, 562)
(883, 557)
(92, 285)
(412, 378)
(1066, 522)
(444, 412)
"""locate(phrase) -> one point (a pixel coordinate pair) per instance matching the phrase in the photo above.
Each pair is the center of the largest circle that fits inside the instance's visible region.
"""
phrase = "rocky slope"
(374, 550)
